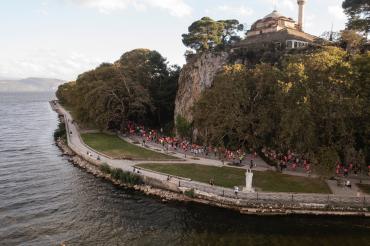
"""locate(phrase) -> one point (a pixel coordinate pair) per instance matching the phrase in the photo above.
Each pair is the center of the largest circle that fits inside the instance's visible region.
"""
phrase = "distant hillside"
(29, 85)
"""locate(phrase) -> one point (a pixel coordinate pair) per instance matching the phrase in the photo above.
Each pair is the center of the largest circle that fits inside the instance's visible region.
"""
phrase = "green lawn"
(277, 182)
(230, 177)
(223, 176)
(364, 187)
(115, 147)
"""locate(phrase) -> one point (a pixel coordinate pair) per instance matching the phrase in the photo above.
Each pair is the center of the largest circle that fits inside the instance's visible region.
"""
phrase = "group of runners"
(343, 170)
(294, 161)
(288, 160)
(186, 147)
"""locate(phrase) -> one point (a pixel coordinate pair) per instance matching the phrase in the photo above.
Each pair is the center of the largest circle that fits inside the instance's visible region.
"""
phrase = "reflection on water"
(44, 200)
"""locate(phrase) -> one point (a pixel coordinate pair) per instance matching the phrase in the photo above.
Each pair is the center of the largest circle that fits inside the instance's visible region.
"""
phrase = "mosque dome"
(274, 14)
(271, 23)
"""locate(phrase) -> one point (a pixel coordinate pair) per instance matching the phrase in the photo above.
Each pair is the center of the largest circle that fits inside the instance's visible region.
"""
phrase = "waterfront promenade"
(340, 195)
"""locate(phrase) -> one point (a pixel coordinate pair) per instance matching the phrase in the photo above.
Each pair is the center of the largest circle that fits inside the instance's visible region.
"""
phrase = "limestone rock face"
(196, 76)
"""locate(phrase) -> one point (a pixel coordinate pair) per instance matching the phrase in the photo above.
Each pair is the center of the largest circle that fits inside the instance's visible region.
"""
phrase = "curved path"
(77, 142)
(79, 146)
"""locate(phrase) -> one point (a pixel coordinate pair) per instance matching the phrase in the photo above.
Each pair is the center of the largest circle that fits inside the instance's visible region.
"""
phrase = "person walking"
(236, 190)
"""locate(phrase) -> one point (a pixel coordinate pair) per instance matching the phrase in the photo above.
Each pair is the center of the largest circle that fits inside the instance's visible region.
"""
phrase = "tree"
(316, 104)
(208, 34)
(358, 12)
(66, 92)
(361, 64)
(139, 87)
(240, 109)
(320, 96)
(351, 40)
(204, 34)
(183, 127)
(230, 31)
(331, 36)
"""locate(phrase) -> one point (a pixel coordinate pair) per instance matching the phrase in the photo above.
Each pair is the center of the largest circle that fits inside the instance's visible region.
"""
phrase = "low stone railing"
(221, 194)
(280, 197)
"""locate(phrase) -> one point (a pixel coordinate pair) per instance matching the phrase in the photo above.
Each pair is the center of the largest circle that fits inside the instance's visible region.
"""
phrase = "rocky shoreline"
(94, 170)
(206, 199)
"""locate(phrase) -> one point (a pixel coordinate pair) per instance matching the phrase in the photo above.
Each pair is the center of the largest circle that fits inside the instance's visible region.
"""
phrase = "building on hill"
(278, 31)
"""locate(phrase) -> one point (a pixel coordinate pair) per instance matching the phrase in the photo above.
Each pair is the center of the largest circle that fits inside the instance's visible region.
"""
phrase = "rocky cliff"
(195, 77)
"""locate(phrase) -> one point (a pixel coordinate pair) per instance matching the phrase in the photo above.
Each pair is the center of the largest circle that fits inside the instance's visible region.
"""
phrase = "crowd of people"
(186, 147)
(288, 160)
(292, 161)
(344, 170)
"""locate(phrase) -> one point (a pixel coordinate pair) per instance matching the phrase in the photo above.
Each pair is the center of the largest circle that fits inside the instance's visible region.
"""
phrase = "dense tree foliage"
(351, 40)
(207, 34)
(183, 127)
(358, 12)
(316, 104)
(139, 87)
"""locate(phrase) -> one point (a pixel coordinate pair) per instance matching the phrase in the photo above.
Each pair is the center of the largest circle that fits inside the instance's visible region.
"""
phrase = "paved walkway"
(211, 160)
(79, 146)
(77, 142)
(128, 165)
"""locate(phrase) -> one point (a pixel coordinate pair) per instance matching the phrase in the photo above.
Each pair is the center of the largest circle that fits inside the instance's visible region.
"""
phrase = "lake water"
(44, 200)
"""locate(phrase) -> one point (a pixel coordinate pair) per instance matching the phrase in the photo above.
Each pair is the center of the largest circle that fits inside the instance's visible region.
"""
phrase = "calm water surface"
(44, 200)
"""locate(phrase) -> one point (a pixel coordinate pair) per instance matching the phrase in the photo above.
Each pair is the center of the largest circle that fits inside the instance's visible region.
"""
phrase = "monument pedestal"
(248, 181)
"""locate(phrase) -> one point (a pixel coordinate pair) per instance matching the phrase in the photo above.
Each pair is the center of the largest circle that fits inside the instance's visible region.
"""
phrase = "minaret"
(301, 14)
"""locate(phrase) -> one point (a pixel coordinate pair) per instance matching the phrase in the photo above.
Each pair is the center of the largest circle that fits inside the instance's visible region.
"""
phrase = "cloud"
(176, 8)
(47, 63)
(337, 12)
(230, 11)
(43, 10)
(309, 20)
(289, 4)
(104, 6)
(282, 4)
(236, 10)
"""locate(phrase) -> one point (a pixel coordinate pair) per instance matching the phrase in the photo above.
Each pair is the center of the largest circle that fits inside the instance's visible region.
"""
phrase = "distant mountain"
(29, 85)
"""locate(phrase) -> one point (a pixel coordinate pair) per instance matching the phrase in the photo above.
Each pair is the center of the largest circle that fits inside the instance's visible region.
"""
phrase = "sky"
(63, 38)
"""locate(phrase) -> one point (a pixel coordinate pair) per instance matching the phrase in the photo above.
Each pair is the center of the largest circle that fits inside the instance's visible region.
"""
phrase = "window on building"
(289, 44)
(295, 44)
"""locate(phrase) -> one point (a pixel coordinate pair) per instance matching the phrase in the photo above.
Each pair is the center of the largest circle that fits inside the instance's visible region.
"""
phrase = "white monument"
(248, 181)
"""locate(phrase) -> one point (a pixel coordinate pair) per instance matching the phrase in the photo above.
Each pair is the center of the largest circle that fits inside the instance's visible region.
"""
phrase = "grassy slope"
(115, 147)
(229, 177)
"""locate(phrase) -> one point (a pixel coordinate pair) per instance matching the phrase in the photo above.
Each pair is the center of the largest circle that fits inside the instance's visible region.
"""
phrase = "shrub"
(60, 132)
(116, 173)
(126, 177)
(105, 168)
(190, 193)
